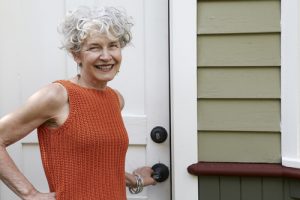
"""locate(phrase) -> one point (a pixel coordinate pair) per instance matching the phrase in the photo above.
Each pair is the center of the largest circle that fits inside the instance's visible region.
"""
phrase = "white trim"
(290, 88)
(183, 72)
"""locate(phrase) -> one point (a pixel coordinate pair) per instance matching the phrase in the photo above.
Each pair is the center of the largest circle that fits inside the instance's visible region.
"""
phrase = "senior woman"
(82, 137)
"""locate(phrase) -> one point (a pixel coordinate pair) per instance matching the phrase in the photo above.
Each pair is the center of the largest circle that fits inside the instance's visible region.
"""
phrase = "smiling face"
(100, 59)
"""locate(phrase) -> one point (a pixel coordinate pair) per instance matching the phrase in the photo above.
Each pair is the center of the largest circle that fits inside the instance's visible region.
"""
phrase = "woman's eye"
(114, 45)
(93, 49)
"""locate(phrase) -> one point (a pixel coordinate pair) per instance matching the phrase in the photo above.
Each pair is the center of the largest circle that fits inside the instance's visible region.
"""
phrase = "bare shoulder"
(53, 95)
(121, 99)
(43, 105)
(47, 101)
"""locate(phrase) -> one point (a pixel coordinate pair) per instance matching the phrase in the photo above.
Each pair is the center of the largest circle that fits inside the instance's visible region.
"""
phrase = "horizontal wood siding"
(238, 17)
(268, 78)
(238, 60)
(238, 115)
(239, 50)
(239, 146)
(246, 188)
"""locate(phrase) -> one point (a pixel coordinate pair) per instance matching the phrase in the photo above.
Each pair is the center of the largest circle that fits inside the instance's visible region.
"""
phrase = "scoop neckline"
(87, 88)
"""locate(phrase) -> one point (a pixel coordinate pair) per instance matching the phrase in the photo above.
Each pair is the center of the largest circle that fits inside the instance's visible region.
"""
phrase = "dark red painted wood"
(242, 169)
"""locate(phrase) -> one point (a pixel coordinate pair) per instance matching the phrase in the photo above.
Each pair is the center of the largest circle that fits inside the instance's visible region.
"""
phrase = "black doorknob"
(160, 172)
(159, 134)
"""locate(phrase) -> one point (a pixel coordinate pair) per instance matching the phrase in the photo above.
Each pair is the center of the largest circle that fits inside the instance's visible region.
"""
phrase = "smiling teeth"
(106, 67)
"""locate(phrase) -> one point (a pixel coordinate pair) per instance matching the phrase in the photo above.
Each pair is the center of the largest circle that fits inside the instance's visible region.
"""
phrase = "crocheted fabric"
(84, 159)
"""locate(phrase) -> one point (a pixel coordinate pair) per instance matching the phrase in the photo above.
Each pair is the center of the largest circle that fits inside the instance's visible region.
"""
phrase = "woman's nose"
(105, 55)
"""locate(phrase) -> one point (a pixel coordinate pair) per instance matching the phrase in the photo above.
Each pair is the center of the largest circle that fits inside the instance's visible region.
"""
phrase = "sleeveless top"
(84, 159)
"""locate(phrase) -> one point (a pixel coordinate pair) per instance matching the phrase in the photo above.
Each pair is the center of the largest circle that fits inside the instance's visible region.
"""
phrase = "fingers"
(146, 173)
(52, 194)
(44, 196)
(145, 170)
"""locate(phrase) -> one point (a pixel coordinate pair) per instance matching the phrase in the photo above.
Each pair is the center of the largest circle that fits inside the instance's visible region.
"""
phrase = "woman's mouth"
(104, 68)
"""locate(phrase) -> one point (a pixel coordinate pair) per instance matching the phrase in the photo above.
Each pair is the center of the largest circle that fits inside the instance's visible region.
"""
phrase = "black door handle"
(160, 172)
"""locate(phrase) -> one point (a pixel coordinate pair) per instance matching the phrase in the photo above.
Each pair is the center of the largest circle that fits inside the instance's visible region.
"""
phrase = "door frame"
(183, 96)
(290, 90)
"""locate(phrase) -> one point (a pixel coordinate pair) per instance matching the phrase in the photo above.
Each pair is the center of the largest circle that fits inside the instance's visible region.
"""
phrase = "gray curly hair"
(79, 23)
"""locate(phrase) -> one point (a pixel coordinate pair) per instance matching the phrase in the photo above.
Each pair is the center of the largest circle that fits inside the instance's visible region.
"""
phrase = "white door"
(30, 58)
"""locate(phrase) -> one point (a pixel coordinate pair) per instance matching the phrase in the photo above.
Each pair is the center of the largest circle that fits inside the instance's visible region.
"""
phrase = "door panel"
(143, 78)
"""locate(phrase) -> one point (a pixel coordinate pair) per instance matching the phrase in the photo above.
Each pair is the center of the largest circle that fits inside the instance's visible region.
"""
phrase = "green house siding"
(239, 50)
(238, 60)
(238, 16)
(226, 86)
(239, 146)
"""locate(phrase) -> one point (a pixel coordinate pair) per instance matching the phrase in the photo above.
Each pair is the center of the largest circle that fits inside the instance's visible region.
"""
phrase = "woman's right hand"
(146, 173)
(41, 196)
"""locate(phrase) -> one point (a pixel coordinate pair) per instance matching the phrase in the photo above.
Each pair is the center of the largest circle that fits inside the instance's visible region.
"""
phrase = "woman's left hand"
(145, 172)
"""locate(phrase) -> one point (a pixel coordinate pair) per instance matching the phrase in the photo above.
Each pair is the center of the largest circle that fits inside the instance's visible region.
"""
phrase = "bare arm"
(145, 172)
(40, 107)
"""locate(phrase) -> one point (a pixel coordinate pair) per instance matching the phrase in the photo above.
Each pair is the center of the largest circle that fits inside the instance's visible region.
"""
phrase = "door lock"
(159, 134)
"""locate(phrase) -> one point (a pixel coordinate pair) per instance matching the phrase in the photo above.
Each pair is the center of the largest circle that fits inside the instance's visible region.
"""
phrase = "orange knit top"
(84, 158)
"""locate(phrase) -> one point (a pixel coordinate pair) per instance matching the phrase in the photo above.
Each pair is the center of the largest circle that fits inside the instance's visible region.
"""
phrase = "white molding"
(183, 72)
(290, 88)
(289, 162)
